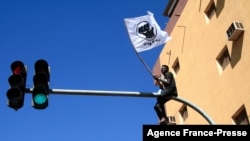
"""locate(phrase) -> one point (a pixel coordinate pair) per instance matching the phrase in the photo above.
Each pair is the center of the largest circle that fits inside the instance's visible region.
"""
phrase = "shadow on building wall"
(237, 50)
(219, 7)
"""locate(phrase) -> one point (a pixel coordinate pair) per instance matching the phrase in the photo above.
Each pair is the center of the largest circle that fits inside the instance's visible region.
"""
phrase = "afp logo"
(146, 31)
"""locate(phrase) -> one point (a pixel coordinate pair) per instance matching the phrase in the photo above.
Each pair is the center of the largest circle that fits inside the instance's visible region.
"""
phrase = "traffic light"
(41, 80)
(17, 82)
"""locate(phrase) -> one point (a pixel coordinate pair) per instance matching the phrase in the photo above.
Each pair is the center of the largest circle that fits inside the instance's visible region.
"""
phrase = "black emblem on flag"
(146, 30)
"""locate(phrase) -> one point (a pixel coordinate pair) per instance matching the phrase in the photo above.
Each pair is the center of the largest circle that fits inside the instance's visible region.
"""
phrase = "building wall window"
(183, 112)
(176, 66)
(210, 10)
(224, 58)
(241, 117)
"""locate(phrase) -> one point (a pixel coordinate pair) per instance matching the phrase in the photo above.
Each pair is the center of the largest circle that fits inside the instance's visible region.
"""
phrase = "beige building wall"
(197, 42)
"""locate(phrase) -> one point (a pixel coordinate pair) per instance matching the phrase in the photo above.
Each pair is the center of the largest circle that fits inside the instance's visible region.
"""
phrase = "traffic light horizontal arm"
(125, 93)
(100, 93)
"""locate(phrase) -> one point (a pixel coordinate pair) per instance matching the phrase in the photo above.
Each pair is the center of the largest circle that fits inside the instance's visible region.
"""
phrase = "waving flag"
(145, 33)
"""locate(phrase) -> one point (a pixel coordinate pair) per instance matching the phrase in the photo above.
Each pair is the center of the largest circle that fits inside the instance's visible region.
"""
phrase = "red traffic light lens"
(17, 67)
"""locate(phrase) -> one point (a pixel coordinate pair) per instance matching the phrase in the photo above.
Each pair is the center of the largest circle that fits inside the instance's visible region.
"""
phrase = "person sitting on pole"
(167, 84)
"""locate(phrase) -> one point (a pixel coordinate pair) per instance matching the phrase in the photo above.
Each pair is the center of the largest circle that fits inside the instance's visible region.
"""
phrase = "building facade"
(209, 57)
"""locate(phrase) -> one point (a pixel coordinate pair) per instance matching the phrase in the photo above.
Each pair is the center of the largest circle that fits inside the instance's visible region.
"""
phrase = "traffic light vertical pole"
(128, 94)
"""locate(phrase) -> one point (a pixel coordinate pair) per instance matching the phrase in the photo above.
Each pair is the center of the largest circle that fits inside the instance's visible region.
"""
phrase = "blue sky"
(87, 47)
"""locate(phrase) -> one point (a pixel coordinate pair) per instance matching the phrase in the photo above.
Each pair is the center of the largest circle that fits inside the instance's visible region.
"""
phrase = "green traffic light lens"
(40, 98)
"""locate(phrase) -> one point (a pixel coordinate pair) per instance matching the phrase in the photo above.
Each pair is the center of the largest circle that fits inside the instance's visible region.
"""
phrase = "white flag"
(145, 33)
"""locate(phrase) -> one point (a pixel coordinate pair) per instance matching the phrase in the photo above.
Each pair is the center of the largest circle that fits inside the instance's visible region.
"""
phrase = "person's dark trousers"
(161, 100)
(160, 108)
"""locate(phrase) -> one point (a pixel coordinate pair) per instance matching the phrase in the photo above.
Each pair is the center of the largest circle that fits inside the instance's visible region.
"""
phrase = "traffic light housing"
(40, 92)
(17, 82)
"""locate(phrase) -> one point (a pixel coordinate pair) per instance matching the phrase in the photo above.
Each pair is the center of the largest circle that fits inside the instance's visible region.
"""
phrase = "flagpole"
(143, 62)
